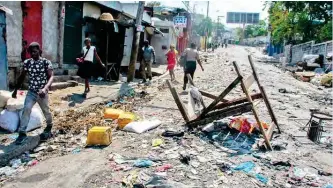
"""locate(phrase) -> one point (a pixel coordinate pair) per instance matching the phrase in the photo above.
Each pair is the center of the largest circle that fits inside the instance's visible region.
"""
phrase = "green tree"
(256, 30)
(153, 4)
(326, 32)
(300, 21)
(239, 33)
(202, 27)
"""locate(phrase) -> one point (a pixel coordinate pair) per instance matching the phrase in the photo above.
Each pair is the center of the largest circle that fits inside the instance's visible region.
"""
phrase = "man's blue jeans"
(29, 102)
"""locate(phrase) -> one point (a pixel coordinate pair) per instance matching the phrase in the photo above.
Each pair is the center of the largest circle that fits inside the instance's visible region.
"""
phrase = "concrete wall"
(256, 40)
(14, 32)
(50, 29)
(297, 51)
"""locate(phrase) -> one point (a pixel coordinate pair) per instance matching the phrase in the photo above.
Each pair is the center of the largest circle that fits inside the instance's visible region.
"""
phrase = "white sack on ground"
(36, 119)
(15, 104)
(9, 120)
(4, 97)
(142, 126)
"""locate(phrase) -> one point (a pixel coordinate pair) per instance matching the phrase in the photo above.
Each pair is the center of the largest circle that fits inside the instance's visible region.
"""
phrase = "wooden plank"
(211, 96)
(270, 130)
(268, 144)
(178, 102)
(269, 107)
(235, 110)
(249, 81)
(203, 93)
(238, 101)
(192, 83)
(254, 70)
(221, 96)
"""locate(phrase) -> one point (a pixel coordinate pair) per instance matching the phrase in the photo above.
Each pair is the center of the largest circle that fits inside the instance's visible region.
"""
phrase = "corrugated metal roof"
(116, 5)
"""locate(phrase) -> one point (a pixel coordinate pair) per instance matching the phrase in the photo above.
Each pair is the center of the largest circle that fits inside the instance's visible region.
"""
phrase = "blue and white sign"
(180, 21)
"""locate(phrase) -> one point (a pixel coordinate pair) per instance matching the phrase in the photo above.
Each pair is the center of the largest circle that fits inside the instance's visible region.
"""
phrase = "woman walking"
(86, 67)
(192, 57)
(172, 61)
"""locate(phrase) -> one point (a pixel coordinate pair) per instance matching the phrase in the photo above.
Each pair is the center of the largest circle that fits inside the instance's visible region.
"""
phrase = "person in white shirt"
(86, 68)
(192, 58)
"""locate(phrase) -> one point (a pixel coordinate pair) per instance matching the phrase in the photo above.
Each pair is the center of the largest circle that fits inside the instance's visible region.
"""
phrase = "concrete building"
(59, 27)
(161, 43)
(31, 21)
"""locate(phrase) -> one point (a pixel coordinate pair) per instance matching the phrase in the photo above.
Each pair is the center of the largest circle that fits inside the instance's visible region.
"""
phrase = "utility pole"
(218, 23)
(136, 41)
(206, 34)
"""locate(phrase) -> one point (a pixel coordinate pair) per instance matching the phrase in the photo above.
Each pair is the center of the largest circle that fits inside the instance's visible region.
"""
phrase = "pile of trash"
(238, 133)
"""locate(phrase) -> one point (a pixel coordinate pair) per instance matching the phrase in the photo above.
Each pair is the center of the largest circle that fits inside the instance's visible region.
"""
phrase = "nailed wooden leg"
(262, 130)
(221, 96)
(178, 102)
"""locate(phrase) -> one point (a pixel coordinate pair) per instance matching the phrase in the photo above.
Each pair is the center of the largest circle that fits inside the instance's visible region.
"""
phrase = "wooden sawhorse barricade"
(221, 108)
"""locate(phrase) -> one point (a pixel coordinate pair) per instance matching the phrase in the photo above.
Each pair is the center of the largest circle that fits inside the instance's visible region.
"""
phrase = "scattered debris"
(157, 142)
(141, 163)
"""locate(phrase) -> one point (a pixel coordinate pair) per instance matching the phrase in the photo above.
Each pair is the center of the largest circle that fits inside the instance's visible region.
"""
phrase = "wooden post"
(107, 52)
(206, 30)
(61, 20)
(237, 101)
(263, 132)
(136, 40)
(262, 91)
(178, 102)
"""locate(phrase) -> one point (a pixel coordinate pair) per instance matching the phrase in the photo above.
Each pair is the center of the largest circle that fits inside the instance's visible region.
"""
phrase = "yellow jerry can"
(125, 119)
(110, 113)
(99, 136)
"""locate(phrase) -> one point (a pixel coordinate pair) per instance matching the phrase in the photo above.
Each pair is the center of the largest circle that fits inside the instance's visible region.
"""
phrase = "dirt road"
(94, 167)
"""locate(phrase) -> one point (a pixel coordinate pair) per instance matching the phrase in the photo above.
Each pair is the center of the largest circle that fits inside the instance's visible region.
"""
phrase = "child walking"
(172, 61)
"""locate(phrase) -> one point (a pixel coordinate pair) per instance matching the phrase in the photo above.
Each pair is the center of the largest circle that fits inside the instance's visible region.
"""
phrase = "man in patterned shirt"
(40, 74)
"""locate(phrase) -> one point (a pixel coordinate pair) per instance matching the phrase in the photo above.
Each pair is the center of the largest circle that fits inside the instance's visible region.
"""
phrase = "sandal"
(173, 134)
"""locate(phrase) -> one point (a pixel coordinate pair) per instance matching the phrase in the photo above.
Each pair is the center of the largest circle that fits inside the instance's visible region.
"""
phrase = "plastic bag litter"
(36, 119)
(326, 80)
(142, 126)
(126, 90)
(316, 80)
(142, 163)
(4, 97)
(9, 120)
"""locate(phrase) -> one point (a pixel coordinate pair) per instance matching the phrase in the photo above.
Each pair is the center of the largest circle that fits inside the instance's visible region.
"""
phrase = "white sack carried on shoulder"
(9, 120)
(142, 126)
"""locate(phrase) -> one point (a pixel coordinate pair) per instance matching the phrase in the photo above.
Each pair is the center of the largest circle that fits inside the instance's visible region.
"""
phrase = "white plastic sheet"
(142, 126)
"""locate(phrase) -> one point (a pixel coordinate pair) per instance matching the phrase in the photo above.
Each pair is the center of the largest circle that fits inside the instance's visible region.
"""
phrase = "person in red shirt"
(172, 61)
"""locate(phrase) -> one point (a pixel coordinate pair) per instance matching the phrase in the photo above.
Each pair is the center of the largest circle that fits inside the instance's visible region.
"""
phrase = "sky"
(221, 7)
